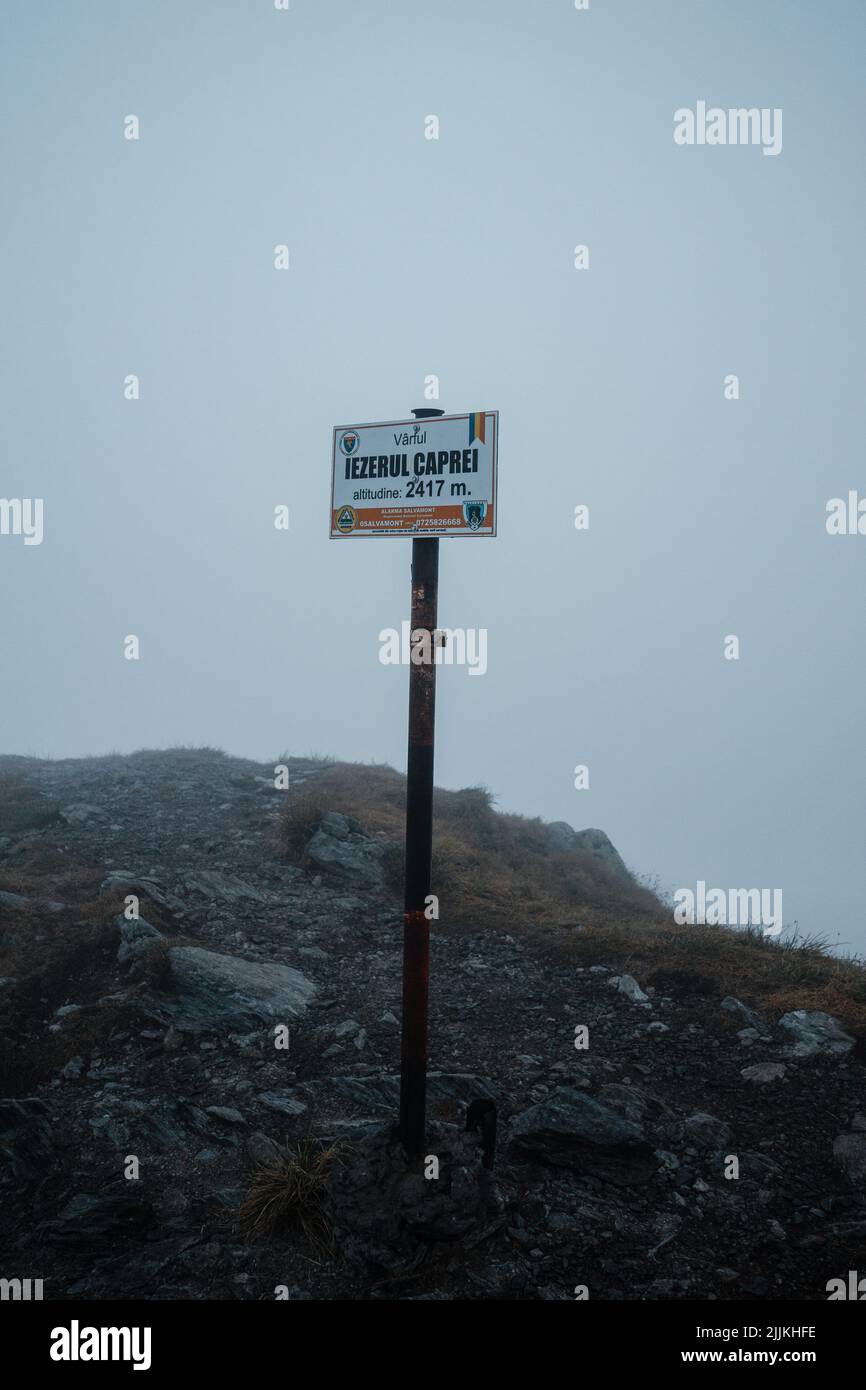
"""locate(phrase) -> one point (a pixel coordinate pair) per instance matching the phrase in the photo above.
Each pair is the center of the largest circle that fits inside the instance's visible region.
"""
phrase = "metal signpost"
(432, 476)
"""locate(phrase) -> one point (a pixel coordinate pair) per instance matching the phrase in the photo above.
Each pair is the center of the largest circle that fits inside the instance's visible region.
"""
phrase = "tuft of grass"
(291, 1195)
(298, 824)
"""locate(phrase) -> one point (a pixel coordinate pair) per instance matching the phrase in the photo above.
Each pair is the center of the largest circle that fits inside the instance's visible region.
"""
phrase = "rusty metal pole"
(419, 841)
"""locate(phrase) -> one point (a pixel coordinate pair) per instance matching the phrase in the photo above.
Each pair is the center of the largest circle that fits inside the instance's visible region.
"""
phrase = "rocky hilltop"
(167, 1077)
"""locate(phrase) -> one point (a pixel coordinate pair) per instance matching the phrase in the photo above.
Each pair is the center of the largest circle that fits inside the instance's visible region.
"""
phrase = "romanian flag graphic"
(476, 426)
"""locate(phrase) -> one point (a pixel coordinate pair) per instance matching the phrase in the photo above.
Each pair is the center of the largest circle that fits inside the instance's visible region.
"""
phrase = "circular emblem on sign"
(346, 519)
(349, 441)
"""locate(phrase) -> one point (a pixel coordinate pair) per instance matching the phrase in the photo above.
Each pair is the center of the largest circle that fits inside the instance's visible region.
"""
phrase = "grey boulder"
(562, 836)
(209, 991)
(572, 1130)
(763, 1073)
(142, 884)
(706, 1131)
(225, 888)
(282, 1102)
(628, 985)
(338, 850)
(816, 1033)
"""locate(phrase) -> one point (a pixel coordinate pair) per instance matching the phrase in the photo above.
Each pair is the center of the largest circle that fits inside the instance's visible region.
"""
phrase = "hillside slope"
(262, 910)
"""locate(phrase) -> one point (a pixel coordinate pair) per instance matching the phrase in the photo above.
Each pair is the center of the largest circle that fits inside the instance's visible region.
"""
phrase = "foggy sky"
(411, 257)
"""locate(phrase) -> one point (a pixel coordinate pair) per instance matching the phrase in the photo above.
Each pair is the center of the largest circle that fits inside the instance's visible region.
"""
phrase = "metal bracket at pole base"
(481, 1117)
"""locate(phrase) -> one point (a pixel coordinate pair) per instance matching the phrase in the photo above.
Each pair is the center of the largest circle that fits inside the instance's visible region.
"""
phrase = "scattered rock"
(137, 940)
(144, 886)
(25, 1139)
(262, 1151)
(176, 1064)
(80, 813)
(333, 823)
(707, 1132)
(96, 1219)
(627, 985)
(226, 1113)
(223, 888)
(283, 1102)
(750, 1017)
(313, 953)
(757, 1168)
(14, 901)
(129, 1124)
(346, 854)
(849, 1151)
(764, 1072)
(214, 991)
(625, 1099)
(816, 1033)
(572, 1130)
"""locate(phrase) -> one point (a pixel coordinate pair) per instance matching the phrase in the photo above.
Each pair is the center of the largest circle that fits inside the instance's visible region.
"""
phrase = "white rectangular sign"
(432, 477)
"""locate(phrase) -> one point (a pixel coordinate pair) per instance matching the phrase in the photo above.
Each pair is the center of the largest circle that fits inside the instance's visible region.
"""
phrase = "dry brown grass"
(155, 966)
(22, 806)
(773, 976)
(53, 959)
(291, 1195)
(57, 958)
(298, 823)
(488, 868)
(499, 871)
(181, 752)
